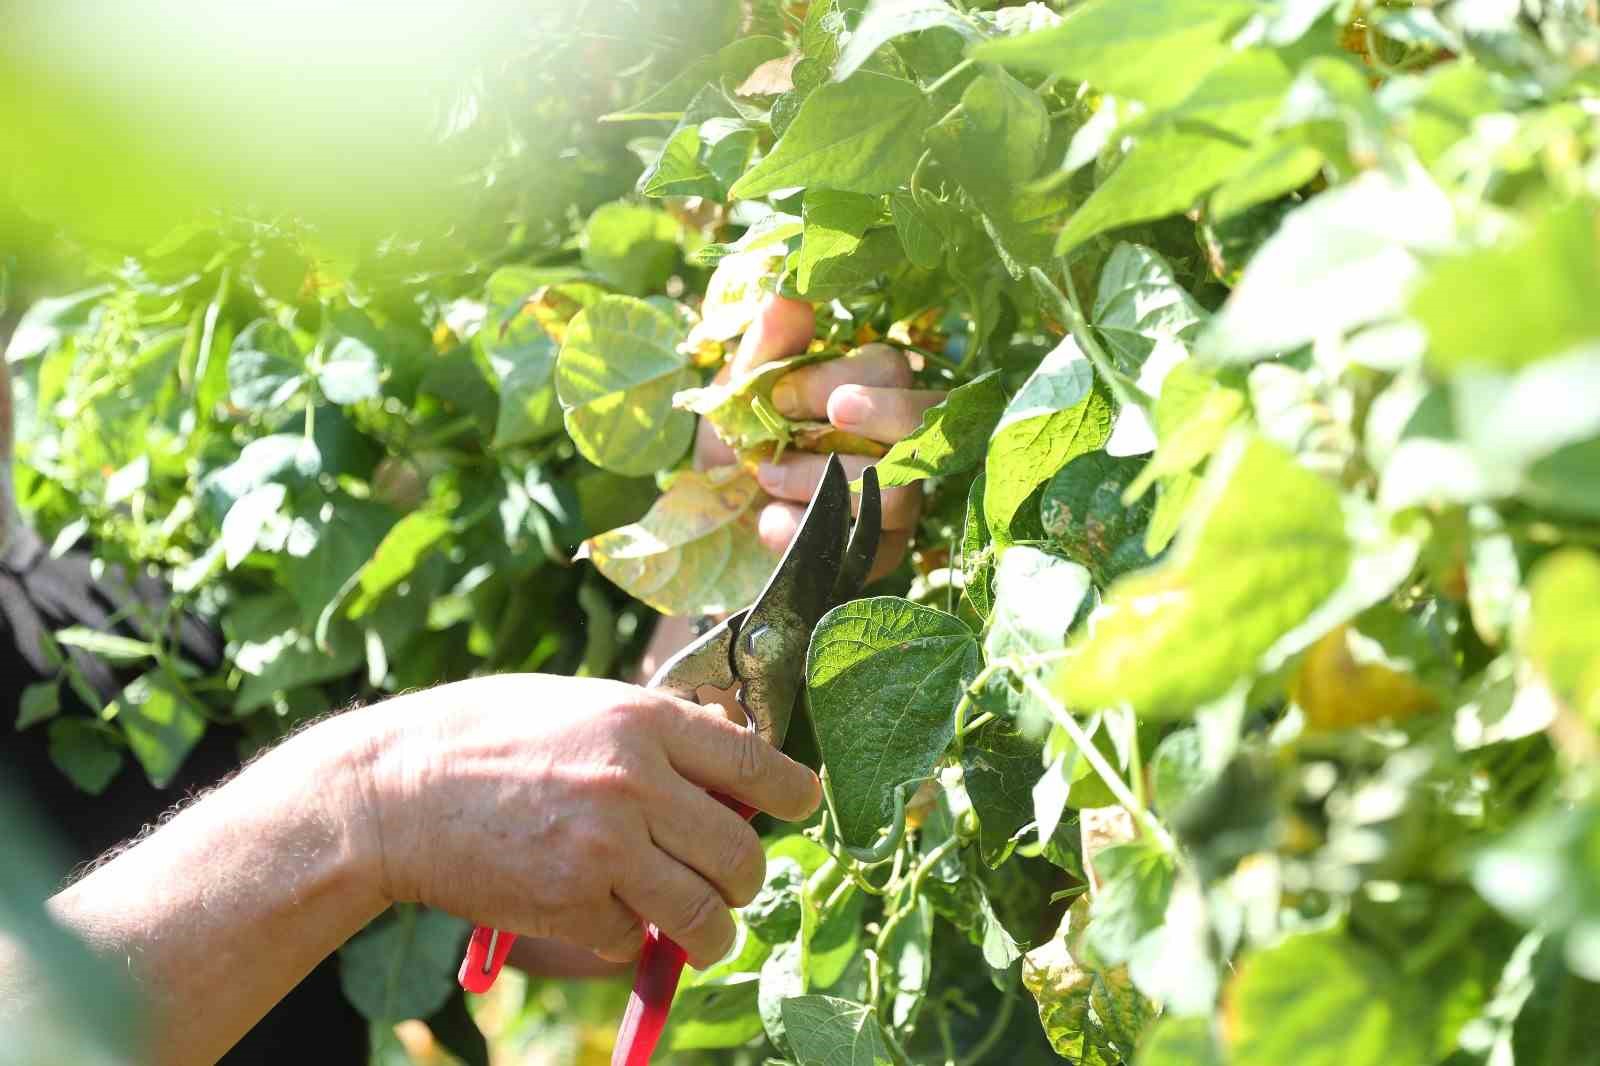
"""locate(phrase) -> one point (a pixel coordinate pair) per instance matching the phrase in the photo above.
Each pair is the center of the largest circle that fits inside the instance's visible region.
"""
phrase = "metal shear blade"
(763, 647)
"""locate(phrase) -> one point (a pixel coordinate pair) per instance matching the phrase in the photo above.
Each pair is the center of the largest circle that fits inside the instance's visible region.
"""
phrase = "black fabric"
(39, 595)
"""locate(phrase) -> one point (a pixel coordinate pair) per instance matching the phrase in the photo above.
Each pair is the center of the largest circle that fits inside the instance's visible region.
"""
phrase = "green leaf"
(617, 372)
(396, 556)
(84, 753)
(1135, 885)
(1180, 1042)
(1320, 1000)
(1153, 51)
(403, 966)
(522, 355)
(884, 20)
(349, 373)
(952, 438)
(1000, 764)
(919, 233)
(40, 700)
(161, 723)
(265, 368)
(740, 410)
(908, 965)
(696, 551)
(1036, 596)
(347, 532)
(1563, 637)
(884, 676)
(632, 246)
(996, 140)
(1058, 414)
(834, 224)
(107, 646)
(1267, 547)
(1560, 1019)
(1140, 304)
(1346, 258)
(717, 1013)
(826, 1031)
(782, 979)
(862, 135)
(847, 275)
(1193, 416)
(1082, 512)
(1541, 874)
(1211, 134)
(1511, 303)
(732, 63)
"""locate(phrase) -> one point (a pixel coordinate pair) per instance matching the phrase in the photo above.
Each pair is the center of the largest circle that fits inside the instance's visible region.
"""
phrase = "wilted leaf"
(696, 551)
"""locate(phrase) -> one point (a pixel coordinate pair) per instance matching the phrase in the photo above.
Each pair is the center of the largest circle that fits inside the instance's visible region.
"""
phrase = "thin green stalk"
(991, 1036)
(1112, 780)
(1066, 307)
(948, 76)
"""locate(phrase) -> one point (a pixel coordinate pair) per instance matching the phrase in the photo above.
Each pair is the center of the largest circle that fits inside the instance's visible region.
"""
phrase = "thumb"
(782, 327)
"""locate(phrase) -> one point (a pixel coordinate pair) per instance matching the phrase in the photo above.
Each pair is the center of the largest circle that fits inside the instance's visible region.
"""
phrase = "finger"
(782, 327)
(546, 957)
(683, 905)
(711, 840)
(777, 524)
(610, 930)
(796, 477)
(715, 754)
(883, 415)
(804, 393)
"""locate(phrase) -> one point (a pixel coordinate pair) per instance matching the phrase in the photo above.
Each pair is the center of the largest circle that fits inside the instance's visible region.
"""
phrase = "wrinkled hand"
(867, 393)
(575, 808)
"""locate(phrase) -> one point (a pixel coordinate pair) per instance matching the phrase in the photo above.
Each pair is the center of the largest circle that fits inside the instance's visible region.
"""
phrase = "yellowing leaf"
(1343, 681)
(696, 551)
(1563, 637)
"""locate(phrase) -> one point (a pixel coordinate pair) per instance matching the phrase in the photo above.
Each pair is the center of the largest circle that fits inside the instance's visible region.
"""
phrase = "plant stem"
(1113, 780)
(996, 1030)
(949, 76)
(1066, 306)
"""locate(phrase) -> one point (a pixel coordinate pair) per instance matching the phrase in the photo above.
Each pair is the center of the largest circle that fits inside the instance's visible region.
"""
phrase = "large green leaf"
(1000, 764)
(1056, 415)
(1135, 885)
(161, 723)
(884, 676)
(696, 551)
(1318, 999)
(953, 435)
(616, 375)
(632, 246)
(266, 367)
(1510, 303)
(1180, 1042)
(88, 757)
(1083, 513)
(834, 224)
(1153, 51)
(827, 1031)
(1140, 304)
(1560, 1019)
(403, 966)
(1267, 547)
(1211, 133)
(522, 356)
(860, 135)
(884, 20)
(1343, 259)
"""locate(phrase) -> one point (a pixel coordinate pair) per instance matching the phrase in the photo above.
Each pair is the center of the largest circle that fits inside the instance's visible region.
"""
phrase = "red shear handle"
(486, 953)
(654, 985)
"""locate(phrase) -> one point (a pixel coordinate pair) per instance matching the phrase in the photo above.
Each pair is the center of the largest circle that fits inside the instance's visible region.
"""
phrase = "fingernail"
(786, 399)
(770, 476)
(847, 407)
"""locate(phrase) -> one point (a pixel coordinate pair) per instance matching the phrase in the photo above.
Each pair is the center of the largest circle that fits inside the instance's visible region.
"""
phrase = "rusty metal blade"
(769, 653)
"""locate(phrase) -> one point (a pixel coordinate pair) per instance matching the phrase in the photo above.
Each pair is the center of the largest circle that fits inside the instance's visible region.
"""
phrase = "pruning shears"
(761, 652)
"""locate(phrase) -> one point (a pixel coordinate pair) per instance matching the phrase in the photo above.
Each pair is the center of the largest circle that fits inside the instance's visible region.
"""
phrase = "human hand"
(867, 393)
(576, 809)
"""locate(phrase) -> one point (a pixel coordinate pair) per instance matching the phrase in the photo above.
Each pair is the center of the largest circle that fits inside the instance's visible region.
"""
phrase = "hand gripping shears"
(760, 651)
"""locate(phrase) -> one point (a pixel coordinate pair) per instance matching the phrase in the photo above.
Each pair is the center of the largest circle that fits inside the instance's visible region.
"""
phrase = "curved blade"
(769, 653)
(863, 541)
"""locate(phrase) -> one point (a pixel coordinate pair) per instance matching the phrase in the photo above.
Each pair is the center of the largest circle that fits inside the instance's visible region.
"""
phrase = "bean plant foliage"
(1238, 701)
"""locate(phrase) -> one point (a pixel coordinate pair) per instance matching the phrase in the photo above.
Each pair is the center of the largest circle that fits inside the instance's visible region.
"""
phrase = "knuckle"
(748, 754)
(747, 866)
(703, 914)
